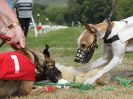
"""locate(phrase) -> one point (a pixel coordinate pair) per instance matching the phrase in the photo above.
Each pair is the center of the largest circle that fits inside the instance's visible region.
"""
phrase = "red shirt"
(16, 66)
(39, 27)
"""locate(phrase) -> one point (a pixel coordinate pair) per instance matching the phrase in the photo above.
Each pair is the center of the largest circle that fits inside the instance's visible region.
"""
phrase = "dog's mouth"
(53, 74)
(50, 73)
(85, 56)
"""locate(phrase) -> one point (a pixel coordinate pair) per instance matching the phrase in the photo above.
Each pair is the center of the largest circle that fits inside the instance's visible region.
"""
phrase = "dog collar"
(108, 32)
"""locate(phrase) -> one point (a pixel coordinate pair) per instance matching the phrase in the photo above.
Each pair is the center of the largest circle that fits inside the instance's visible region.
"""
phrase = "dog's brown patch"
(86, 39)
(101, 27)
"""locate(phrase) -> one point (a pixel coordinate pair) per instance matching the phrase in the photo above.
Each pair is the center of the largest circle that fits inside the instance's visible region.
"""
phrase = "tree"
(124, 9)
(39, 9)
(88, 10)
(55, 14)
(73, 10)
(85, 11)
(95, 11)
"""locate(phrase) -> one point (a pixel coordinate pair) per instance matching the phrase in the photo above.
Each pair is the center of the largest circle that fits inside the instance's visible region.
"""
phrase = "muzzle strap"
(108, 32)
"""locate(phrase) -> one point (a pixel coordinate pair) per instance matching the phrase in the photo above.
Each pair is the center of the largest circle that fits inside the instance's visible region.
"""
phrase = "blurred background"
(77, 12)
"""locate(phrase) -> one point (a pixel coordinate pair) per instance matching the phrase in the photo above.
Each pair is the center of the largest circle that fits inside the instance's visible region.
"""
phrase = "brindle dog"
(45, 65)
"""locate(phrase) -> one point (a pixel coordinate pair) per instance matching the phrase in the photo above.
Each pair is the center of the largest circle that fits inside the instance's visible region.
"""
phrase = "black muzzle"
(85, 56)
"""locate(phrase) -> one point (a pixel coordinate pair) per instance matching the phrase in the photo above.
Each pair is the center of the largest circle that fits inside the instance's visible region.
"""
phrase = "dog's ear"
(45, 51)
(89, 27)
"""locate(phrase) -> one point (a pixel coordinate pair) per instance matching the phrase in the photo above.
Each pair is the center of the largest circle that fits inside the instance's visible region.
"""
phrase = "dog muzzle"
(85, 56)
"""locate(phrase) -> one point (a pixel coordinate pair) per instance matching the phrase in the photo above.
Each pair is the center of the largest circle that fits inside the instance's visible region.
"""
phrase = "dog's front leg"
(102, 61)
(118, 51)
(98, 63)
(114, 62)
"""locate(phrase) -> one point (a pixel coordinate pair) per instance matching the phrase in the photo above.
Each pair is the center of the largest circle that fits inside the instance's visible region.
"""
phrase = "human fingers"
(22, 42)
(4, 37)
(19, 35)
(14, 45)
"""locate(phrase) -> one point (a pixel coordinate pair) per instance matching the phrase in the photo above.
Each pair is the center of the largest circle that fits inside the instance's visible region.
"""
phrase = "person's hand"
(17, 40)
(10, 30)
(15, 37)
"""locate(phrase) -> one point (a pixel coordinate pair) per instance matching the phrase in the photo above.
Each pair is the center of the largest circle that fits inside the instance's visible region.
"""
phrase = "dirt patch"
(71, 74)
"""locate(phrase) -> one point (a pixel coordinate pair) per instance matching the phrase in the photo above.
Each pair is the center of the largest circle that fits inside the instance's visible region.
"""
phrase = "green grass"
(62, 43)
(65, 38)
(129, 56)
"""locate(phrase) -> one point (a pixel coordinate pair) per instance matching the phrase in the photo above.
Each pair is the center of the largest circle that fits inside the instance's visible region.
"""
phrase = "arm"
(102, 61)
(6, 14)
(14, 36)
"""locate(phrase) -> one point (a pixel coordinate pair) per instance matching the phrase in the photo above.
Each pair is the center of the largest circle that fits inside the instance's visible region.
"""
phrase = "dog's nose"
(77, 60)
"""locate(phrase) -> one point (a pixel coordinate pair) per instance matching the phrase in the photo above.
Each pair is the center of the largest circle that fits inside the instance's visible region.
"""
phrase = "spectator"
(39, 28)
(24, 13)
(10, 30)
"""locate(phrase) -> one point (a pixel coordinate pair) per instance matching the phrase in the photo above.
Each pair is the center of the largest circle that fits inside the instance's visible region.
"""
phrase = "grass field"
(62, 44)
(63, 48)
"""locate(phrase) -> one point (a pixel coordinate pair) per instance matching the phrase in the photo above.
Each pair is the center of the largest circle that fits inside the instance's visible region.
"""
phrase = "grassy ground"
(63, 48)
(62, 44)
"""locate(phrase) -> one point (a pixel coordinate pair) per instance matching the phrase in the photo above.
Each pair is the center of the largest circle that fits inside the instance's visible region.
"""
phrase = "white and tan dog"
(117, 41)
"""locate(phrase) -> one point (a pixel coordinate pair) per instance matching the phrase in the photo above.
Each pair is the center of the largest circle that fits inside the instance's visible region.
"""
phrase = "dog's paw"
(90, 81)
